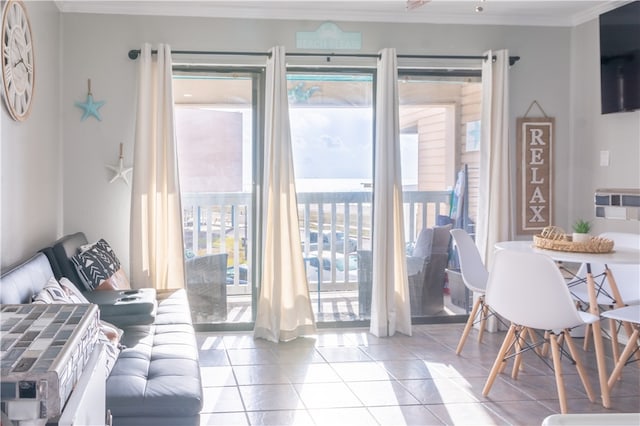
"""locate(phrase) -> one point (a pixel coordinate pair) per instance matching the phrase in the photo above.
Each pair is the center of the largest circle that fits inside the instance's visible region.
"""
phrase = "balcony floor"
(347, 376)
(334, 306)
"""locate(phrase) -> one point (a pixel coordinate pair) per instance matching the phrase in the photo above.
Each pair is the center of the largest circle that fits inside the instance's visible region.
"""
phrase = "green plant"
(582, 226)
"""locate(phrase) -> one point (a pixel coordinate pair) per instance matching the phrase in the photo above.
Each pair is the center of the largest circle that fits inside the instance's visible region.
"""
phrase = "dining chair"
(474, 275)
(630, 315)
(529, 290)
(626, 278)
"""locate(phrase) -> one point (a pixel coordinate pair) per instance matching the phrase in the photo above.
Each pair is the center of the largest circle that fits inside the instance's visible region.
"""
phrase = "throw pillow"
(72, 291)
(423, 243)
(117, 281)
(52, 292)
(97, 264)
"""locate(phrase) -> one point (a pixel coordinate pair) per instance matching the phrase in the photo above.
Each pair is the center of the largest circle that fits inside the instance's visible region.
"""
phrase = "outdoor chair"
(207, 286)
(426, 270)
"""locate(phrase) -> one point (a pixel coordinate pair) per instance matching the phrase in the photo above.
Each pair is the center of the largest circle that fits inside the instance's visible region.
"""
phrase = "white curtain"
(156, 247)
(494, 201)
(284, 308)
(390, 307)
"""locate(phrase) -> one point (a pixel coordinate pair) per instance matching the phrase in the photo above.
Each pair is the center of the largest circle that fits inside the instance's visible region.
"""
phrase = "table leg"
(597, 340)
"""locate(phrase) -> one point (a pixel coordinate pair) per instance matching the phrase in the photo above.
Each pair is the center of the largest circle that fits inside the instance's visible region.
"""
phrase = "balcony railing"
(333, 226)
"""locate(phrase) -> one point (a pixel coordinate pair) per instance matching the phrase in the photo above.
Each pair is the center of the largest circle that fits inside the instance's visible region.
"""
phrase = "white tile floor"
(350, 377)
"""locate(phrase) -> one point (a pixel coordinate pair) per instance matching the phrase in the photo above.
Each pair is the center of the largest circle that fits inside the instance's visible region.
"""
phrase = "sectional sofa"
(155, 379)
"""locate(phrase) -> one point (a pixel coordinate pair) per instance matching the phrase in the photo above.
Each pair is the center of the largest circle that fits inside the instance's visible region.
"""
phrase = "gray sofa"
(156, 378)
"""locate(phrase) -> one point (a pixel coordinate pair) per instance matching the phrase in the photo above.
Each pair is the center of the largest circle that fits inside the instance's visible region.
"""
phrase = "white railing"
(333, 225)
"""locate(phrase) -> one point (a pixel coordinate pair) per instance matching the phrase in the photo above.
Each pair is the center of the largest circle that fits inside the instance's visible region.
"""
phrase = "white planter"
(580, 238)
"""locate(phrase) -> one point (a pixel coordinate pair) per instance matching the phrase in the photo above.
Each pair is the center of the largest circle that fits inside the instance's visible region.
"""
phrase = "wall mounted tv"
(620, 58)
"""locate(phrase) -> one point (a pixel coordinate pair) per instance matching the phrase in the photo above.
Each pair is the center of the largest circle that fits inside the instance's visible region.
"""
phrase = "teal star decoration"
(90, 107)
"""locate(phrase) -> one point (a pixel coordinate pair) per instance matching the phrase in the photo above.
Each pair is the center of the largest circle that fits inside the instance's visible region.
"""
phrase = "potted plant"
(581, 230)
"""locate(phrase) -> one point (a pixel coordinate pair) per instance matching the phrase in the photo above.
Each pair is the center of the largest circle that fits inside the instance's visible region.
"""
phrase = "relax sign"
(534, 175)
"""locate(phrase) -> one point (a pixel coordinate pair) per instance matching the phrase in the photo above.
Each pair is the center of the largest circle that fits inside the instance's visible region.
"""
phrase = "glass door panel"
(436, 115)
(332, 133)
(214, 116)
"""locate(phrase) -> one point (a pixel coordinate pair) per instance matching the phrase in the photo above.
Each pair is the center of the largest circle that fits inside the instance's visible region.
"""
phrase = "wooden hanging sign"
(534, 156)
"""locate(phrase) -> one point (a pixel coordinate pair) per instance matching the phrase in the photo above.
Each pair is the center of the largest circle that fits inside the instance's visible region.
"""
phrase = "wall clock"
(18, 68)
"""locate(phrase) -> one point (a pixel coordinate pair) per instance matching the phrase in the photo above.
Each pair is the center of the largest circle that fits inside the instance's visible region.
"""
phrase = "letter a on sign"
(534, 192)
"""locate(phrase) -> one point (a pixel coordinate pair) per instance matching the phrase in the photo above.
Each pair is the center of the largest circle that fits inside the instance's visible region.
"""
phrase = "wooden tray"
(594, 245)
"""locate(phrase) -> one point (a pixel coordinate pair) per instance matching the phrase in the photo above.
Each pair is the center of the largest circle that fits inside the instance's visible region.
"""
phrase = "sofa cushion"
(158, 374)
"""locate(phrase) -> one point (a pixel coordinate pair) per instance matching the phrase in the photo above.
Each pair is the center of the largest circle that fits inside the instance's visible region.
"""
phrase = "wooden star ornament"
(119, 170)
(90, 106)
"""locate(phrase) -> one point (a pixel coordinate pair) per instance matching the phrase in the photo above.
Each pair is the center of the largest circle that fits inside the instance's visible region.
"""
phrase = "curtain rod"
(134, 53)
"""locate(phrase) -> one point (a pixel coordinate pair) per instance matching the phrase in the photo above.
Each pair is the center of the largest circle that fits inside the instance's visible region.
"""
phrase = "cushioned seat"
(156, 379)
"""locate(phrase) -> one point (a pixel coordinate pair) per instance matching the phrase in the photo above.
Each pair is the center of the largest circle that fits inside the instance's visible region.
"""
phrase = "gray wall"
(31, 167)
(592, 132)
(558, 69)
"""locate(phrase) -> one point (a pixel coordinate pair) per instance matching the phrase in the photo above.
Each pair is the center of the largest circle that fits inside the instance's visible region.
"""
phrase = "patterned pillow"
(52, 292)
(72, 291)
(96, 264)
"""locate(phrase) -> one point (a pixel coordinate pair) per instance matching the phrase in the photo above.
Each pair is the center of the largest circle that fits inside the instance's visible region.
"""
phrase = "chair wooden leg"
(584, 377)
(557, 368)
(534, 341)
(626, 353)
(615, 347)
(587, 336)
(467, 327)
(517, 348)
(483, 319)
(499, 363)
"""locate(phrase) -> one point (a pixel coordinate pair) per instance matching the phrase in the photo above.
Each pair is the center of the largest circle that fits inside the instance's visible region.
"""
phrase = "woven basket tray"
(594, 245)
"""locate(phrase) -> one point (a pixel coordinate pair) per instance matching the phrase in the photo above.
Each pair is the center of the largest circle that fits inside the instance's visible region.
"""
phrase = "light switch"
(604, 158)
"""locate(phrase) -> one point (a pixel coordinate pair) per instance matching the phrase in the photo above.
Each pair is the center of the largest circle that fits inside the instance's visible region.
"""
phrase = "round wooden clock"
(18, 68)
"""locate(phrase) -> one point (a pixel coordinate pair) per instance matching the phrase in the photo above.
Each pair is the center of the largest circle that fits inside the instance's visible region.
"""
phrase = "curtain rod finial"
(133, 54)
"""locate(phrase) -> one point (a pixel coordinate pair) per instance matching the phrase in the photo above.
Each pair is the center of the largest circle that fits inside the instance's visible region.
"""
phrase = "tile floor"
(350, 377)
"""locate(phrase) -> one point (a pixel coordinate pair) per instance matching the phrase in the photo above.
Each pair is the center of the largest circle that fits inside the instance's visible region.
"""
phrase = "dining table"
(619, 255)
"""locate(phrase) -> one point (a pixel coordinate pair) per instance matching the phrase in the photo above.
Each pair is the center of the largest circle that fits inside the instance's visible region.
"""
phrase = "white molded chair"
(630, 315)
(474, 276)
(529, 290)
(627, 278)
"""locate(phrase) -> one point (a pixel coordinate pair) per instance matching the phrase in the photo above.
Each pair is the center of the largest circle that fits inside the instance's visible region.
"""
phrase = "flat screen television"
(620, 58)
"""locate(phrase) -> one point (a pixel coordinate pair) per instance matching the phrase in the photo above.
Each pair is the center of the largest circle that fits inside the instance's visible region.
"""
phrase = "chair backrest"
(529, 290)
(627, 276)
(474, 273)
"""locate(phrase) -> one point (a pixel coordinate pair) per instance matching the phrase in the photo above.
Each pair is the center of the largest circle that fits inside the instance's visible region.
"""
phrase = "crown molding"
(353, 11)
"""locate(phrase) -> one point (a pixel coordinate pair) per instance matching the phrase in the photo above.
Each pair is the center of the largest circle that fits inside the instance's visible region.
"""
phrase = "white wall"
(96, 46)
(593, 132)
(31, 175)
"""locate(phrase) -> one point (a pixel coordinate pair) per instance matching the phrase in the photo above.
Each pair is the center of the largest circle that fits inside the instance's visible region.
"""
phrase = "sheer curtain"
(494, 200)
(284, 307)
(156, 247)
(390, 308)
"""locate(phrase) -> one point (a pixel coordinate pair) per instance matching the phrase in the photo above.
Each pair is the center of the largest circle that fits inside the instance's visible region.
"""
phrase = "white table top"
(619, 255)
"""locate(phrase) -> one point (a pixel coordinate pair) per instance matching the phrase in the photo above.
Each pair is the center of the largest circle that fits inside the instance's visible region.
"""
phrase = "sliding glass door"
(216, 121)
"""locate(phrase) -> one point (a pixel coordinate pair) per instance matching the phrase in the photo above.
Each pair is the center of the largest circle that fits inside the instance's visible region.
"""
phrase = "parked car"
(314, 264)
(338, 244)
(243, 274)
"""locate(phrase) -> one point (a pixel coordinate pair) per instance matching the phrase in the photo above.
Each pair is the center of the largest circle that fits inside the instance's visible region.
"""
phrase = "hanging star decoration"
(90, 106)
(120, 170)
